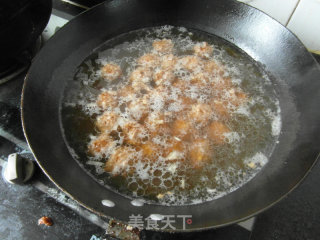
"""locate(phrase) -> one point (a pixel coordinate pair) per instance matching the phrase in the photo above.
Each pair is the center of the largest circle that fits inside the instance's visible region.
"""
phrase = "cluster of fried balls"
(171, 109)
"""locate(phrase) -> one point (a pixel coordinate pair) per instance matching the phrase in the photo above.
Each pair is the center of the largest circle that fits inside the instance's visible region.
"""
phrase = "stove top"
(295, 217)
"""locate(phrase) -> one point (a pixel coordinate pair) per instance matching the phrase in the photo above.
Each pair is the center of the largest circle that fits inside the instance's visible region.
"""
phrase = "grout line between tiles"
(294, 10)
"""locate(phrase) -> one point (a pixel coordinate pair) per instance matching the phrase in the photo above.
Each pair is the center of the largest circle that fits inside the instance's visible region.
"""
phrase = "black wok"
(296, 80)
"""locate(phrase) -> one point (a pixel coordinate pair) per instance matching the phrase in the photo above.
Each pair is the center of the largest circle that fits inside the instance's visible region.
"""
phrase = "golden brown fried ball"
(139, 108)
(183, 129)
(200, 113)
(140, 78)
(107, 99)
(101, 145)
(163, 46)
(212, 68)
(221, 86)
(231, 96)
(237, 97)
(168, 61)
(111, 71)
(200, 79)
(180, 127)
(187, 101)
(149, 60)
(141, 74)
(182, 84)
(199, 152)
(140, 87)
(191, 63)
(150, 150)
(221, 109)
(163, 77)
(203, 50)
(216, 131)
(134, 133)
(175, 150)
(127, 93)
(120, 160)
(155, 121)
(107, 121)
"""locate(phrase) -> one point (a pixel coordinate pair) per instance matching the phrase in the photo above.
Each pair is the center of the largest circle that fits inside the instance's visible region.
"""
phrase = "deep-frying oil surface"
(171, 115)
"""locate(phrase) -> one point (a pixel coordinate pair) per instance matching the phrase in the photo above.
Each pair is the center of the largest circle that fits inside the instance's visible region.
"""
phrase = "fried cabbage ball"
(203, 50)
(163, 77)
(107, 121)
(111, 71)
(183, 129)
(199, 152)
(163, 46)
(191, 63)
(180, 127)
(200, 113)
(138, 109)
(200, 79)
(150, 151)
(211, 67)
(180, 84)
(107, 99)
(221, 87)
(175, 150)
(221, 109)
(127, 94)
(148, 60)
(120, 160)
(155, 121)
(236, 97)
(168, 62)
(140, 79)
(217, 131)
(101, 145)
(141, 74)
(134, 133)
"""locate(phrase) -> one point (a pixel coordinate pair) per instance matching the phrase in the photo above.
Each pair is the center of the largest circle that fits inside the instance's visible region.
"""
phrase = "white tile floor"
(305, 23)
(55, 22)
(279, 10)
(302, 17)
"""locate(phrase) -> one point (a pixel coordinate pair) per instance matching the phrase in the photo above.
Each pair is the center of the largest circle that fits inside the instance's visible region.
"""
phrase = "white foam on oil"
(142, 170)
(276, 125)
(257, 160)
(232, 137)
(276, 122)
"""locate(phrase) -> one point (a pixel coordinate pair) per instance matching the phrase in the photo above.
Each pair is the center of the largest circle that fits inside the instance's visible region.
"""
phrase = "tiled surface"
(279, 10)
(55, 22)
(302, 17)
(248, 224)
(305, 23)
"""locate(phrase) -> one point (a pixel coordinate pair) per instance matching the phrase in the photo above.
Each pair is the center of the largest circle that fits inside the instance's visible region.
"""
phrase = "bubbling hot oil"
(253, 126)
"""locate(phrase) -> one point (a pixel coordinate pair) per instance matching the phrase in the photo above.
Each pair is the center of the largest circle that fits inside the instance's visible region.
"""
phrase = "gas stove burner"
(21, 63)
